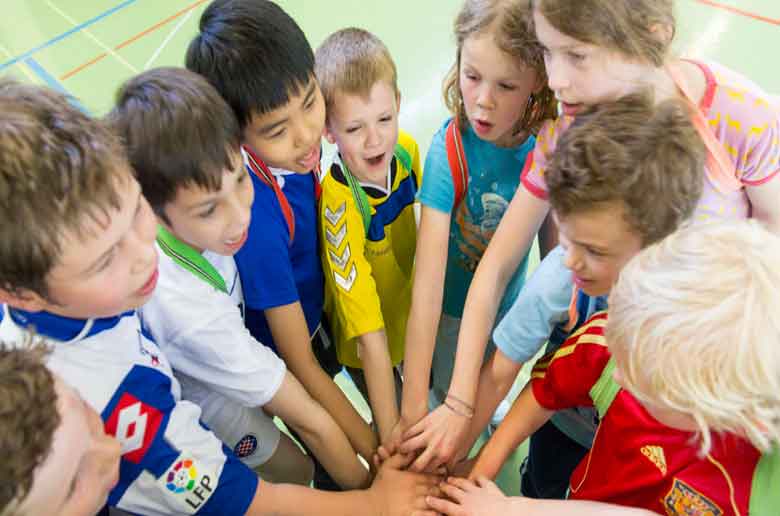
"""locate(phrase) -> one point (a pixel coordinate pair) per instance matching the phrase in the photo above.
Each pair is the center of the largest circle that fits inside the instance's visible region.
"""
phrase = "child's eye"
(576, 57)
(276, 134)
(470, 76)
(309, 104)
(596, 252)
(387, 118)
(507, 87)
(108, 260)
(351, 130)
(209, 212)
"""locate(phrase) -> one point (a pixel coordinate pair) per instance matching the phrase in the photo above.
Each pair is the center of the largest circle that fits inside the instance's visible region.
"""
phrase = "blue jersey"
(170, 463)
(274, 271)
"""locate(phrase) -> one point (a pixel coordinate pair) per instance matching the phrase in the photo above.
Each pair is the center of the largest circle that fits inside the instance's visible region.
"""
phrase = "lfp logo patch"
(188, 483)
(182, 476)
(246, 446)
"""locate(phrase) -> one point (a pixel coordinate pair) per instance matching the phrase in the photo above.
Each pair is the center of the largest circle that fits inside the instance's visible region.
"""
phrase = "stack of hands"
(432, 450)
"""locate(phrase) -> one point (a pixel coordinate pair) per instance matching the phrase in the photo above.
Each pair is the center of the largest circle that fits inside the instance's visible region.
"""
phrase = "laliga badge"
(188, 483)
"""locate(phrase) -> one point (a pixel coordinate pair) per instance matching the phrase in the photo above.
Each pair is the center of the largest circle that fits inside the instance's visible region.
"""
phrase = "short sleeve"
(193, 323)
(348, 274)
(533, 173)
(264, 262)
(760, 161)
(437, 190)
(542, 303)
(563, 379)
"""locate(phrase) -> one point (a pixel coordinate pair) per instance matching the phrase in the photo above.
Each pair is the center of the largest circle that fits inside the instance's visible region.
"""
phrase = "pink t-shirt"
(742, 118)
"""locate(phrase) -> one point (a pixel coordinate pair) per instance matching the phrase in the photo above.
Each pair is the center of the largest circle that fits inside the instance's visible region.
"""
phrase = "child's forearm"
(332, 448)
(288, 327)
(425, 311)
(378, 371)
(523, 419)
(496, 378)
(510, 243)
(323, 389)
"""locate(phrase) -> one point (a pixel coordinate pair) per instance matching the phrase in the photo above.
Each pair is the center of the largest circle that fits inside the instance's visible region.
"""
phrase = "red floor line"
(131, 40)
(741, 12)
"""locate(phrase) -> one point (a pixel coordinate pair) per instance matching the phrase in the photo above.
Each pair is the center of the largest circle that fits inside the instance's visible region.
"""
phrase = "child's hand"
(401, 493)
(469, 499)
(463, 468)
(439, 437)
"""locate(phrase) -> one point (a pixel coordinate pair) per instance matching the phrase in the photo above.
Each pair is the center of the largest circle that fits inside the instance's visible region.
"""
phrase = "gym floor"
(87, 48)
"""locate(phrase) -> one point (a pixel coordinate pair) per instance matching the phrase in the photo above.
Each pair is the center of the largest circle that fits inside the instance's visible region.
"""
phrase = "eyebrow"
(95, 265)
(266, 129)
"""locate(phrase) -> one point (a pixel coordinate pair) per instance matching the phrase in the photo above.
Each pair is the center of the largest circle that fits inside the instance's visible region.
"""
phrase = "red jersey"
(636, 460)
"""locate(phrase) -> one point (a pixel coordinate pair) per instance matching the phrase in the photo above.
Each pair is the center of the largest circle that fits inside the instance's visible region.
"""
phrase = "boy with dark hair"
(183, 141)
(75, 272)
(261, 63)
(58, 459)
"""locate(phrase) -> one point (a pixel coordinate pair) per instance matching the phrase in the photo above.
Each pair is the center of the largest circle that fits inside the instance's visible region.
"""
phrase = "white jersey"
(170, 463)
(220, 365)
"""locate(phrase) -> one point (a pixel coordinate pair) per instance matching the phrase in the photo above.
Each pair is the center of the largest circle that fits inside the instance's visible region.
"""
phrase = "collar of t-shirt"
(372, 190)
(58, 327)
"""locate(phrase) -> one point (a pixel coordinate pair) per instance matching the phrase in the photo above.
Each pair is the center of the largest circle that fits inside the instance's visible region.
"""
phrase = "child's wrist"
(455, 400)
(459, 410)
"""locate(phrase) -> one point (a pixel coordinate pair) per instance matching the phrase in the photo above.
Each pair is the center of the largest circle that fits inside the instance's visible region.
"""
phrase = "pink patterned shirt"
(742, 118)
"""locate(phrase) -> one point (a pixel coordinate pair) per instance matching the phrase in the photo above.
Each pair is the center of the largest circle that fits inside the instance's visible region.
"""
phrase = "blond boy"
(367, 220)
(686, 379)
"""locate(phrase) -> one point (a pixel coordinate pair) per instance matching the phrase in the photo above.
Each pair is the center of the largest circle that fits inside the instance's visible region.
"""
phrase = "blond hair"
(638, 29)
(352, 61)
(509, 21)
(694, 327)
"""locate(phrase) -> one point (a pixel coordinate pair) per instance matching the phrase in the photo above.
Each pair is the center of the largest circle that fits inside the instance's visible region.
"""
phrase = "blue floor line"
(77, 28)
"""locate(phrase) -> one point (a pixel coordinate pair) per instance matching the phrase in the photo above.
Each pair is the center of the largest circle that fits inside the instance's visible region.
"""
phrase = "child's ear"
(398, 100)
(328, 135)
(23, 299)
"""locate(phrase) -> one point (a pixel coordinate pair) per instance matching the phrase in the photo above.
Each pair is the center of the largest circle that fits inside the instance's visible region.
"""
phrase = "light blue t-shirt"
(494, 175)
(537, 316)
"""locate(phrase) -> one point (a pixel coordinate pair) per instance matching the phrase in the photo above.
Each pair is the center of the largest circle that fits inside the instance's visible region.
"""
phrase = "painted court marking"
(91, 36)
(167, 39)
(741, 12)
(131, 40)
(65, 34)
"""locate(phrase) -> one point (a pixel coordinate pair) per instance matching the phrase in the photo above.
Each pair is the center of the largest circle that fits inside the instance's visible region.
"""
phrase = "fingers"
(397, 461)
(427, 461)
(461, 483)
(483, 481)
(416, 429)
(445, 506)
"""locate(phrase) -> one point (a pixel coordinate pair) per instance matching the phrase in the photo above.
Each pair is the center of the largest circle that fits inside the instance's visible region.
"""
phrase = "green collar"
(190, 259)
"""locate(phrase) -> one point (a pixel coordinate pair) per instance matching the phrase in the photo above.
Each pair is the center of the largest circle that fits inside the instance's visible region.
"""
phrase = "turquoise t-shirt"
(494, 175)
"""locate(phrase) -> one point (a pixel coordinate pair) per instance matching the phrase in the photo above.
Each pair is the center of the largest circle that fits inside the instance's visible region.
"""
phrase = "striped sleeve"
(563, 378)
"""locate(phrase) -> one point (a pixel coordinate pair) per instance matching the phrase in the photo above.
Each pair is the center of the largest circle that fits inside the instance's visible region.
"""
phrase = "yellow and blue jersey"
(369, 271)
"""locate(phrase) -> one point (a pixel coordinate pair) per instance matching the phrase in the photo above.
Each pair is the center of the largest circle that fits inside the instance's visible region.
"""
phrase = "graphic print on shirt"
(475, 230)
(655, 454)
(135, 425)
(188, 483)
(345, 271)
(683, 500)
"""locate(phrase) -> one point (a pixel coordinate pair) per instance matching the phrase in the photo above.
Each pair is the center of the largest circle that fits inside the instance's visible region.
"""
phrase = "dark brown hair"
(178, 132)
(647, 157)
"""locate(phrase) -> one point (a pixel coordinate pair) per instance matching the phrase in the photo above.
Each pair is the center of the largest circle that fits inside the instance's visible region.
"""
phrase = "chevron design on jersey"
(333, 217)
(335, 239)
(655, 454)
(341, 261)
(346, 282)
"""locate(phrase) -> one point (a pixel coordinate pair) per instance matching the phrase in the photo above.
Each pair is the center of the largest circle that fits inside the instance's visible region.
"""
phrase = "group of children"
(196, 268)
